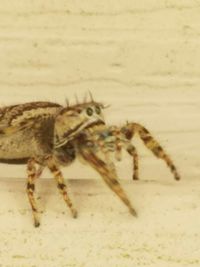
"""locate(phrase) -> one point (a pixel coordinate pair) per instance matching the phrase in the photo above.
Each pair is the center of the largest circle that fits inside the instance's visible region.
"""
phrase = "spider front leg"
(32, 176)
(114, 141)
(61, 184)
(108, 174)
(131, 128)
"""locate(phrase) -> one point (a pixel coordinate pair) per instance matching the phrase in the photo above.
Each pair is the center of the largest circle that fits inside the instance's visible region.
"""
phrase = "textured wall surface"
(142, 58)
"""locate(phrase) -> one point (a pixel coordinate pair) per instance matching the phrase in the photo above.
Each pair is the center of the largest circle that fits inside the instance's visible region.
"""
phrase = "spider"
(49, 135)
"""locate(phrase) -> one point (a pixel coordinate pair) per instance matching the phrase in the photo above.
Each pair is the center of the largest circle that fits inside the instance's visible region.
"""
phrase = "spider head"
(72, 120)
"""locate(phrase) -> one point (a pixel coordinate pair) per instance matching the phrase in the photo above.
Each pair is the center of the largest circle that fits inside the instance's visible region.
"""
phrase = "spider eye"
(89, 111)
(98, 110)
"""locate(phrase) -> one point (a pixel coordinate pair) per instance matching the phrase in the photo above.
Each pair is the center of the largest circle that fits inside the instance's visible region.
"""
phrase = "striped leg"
(61, 184)
(118, 145)
(32, 175)
(133, 152)
(39, 171)
(109, 175)
(153, 145)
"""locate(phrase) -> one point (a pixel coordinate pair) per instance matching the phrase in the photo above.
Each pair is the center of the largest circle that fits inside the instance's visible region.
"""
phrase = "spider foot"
(177, 177)
(74, 213)
(133, 212)
(36, 223)
(135, 177)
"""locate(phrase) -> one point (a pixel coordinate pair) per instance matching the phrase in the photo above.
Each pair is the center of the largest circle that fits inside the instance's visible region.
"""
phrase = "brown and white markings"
(48, 135)
(32, 131)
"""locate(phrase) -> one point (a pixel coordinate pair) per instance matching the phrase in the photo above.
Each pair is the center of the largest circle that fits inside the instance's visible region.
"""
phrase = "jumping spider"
(47, 134)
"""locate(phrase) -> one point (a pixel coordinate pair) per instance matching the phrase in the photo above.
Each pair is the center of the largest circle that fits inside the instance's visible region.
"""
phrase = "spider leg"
(152, 144)
(105, 150)
(133, 152)
(108, 174)
(39, 171)
(32, 175)
(115, 143)
(118, 149)
(61, 184)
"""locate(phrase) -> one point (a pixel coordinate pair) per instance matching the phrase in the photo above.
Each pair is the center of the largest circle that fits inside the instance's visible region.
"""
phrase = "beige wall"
(142, 57)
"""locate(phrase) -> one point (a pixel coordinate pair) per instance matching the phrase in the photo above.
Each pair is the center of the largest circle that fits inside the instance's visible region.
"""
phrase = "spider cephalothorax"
(72, 120)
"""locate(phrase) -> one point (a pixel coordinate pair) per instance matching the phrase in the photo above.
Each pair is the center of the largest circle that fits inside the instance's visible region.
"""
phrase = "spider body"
(49, 135)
